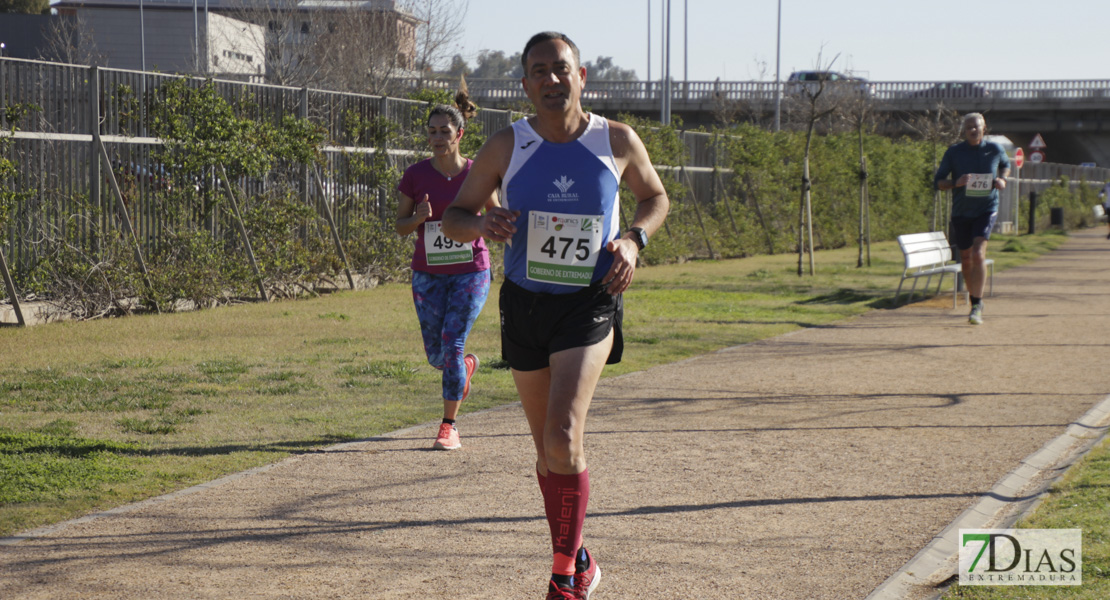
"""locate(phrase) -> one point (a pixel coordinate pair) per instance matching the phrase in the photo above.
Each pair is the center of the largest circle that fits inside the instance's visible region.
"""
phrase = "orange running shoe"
(471, 362)
(448, 438)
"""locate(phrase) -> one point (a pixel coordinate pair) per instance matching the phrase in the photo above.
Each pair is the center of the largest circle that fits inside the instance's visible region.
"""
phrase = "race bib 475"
(563, 248)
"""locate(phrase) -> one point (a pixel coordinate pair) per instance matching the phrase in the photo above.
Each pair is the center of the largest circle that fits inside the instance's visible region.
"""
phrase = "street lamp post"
(778, 79)
(665, 117)
(142, 35)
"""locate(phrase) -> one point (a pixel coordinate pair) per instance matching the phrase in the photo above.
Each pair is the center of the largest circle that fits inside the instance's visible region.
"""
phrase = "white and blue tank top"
(568, 196)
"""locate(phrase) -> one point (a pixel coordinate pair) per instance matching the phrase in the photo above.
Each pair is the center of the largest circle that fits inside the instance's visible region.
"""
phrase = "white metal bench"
(929, 254)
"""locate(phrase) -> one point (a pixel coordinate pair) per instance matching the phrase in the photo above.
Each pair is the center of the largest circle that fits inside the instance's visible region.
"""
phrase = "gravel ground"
(812, 465)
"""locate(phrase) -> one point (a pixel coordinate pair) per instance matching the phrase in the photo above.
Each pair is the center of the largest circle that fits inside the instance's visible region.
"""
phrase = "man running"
(566, 265)
(974, 170)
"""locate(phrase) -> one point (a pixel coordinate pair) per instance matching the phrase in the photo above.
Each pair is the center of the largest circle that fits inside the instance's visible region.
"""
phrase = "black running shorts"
(534, 326)
(966, 229)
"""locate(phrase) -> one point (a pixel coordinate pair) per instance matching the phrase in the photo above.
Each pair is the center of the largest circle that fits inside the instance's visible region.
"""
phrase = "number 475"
(581, 249)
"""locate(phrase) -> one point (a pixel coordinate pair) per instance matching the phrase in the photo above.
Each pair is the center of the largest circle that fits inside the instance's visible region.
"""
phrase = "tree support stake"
(122, 208)
(243, 232)
(8, 283)
(331, 225)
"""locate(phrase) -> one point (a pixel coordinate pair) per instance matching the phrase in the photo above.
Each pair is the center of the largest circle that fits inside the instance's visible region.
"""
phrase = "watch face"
(641, 237)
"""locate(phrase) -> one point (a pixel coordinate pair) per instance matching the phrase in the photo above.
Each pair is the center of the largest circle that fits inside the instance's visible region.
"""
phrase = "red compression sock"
(565, 498)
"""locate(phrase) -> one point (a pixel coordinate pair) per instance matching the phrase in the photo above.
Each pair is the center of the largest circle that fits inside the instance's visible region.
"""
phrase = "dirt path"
(812, 465)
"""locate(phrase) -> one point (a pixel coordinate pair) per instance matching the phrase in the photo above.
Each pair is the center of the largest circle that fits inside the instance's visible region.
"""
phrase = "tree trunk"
(862, 200)
(805, 210)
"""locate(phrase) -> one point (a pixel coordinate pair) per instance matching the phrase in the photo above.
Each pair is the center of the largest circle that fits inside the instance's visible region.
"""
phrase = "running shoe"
(976, 316)
(448, 438)
(555, 592)
(471, 362)
(586, 577)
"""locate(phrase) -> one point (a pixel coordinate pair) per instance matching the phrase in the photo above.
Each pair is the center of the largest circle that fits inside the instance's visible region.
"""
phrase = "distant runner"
(975, 170)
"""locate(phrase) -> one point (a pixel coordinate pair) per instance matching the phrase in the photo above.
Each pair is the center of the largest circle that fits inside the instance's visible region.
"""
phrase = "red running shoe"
(471, 363)
(586, 581)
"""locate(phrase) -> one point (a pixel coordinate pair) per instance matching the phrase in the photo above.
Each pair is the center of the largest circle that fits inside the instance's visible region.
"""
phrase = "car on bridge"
(952, 89)
(808, 82)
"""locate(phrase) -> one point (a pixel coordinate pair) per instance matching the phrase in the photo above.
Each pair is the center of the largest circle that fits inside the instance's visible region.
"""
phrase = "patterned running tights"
(447, 306)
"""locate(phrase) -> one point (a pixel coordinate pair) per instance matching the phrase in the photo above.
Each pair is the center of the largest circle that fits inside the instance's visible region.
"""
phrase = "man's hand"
(620, 275)
(497, 224)
(1000, 183)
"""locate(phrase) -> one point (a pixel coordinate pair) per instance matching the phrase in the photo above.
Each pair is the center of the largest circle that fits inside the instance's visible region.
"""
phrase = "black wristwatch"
(639, 236)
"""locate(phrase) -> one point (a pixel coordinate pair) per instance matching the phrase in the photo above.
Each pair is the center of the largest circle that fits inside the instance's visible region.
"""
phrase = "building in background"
(321, 43)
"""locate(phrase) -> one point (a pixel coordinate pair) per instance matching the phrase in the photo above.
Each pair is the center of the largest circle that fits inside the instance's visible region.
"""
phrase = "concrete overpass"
(1073, 117)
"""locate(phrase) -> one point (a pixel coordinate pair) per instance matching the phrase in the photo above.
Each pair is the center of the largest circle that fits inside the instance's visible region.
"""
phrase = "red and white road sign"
(1037, 144)
(1019, 157)
(1036, 156)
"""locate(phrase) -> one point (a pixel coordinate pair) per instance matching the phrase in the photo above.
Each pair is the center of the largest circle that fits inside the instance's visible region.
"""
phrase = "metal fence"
(84, 112)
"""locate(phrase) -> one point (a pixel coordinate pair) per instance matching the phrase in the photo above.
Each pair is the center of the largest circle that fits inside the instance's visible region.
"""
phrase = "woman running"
(450, 280)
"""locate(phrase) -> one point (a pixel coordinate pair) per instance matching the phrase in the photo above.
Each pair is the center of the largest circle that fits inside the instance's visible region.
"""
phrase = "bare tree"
(939, 126)
(859, 111)
(757, 107)
(357, 51)
(69, 39)
(437, 36)
(351, 47)
(820, 99)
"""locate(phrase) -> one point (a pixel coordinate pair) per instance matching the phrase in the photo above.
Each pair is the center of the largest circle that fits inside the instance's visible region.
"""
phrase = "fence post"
(304, 168)
(95, 175)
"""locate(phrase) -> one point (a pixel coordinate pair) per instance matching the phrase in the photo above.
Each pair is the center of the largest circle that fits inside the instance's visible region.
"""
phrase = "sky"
(882, 40)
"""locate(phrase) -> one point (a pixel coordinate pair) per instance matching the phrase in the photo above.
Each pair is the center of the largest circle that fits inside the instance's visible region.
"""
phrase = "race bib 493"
(442, 250)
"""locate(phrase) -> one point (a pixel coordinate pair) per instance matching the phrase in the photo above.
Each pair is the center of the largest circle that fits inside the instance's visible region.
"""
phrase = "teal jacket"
(962, 159)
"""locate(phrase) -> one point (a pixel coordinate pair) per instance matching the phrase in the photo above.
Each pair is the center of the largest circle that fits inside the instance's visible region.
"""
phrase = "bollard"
(1032, 213)
(1056, 217)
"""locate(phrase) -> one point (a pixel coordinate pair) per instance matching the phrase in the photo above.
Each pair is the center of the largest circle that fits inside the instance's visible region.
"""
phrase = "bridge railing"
(893, 91)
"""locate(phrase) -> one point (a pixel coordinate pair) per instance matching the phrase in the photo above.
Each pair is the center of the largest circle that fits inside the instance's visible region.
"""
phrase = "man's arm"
(652, 203)
(1003, 170)
(941, 179)
(462, 221)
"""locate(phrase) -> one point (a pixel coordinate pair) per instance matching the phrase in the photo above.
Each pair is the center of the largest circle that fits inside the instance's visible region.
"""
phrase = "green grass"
(102, 413)
(1079, 501)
